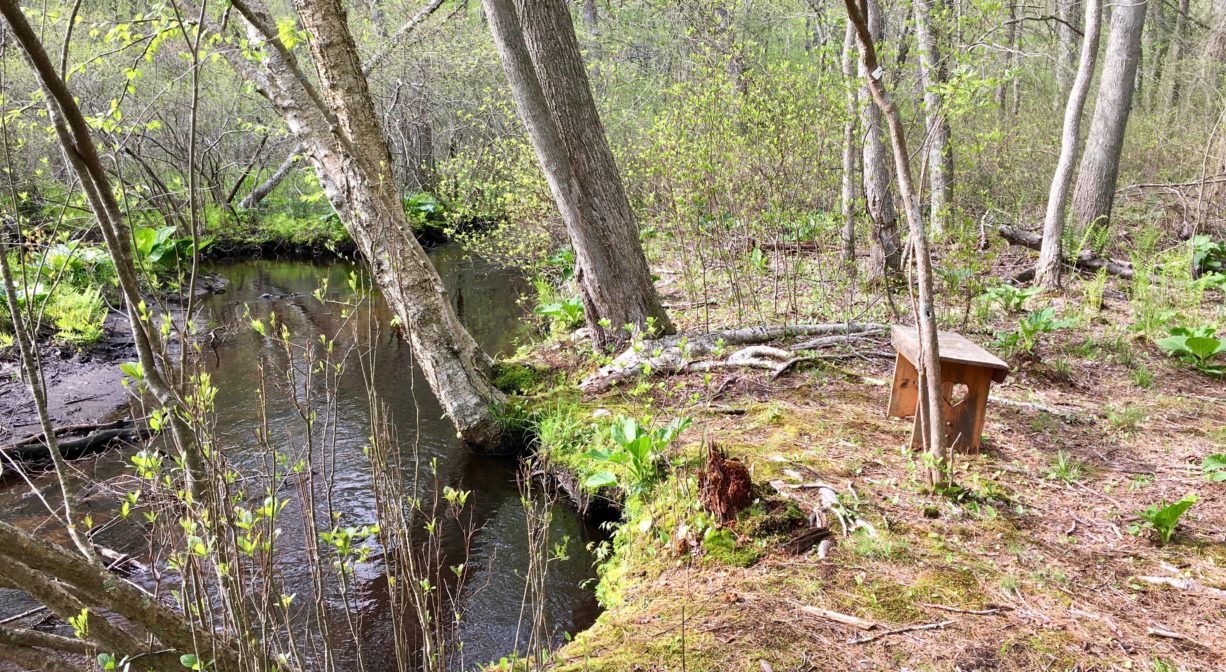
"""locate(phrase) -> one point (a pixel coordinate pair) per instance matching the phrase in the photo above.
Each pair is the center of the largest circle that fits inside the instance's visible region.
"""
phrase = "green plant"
(1142, 377)
(1163, 518)
(1125, 418)
(1215, 280)
(78, 315)
(567, 314)
(758, 261)
(1214, 467)
(1030, 328)
(1065, 468)
(157, 250)
(1009, 297)
(1198, 345)
(635, 452)
(1208, 255)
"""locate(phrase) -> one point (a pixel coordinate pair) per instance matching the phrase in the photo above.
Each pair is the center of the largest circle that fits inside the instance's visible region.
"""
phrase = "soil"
(83, 385)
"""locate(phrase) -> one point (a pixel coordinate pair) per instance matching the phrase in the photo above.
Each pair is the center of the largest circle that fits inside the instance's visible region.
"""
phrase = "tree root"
(675, 354)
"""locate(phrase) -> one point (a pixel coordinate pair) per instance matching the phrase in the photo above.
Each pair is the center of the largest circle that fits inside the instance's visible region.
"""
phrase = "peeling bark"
(339, 128)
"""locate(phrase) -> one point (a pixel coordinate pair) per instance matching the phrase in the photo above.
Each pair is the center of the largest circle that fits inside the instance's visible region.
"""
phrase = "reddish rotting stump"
(962, 363)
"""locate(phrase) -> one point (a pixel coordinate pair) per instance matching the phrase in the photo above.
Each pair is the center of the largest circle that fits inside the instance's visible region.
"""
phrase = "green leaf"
(600, 479)
(1166, 518)
(1175, 343)
(133, 370)
(189, 661)
(1214, 467)
(1203, 347)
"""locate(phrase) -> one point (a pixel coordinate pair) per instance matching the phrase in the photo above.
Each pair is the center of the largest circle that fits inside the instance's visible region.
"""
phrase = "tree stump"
(726, 488)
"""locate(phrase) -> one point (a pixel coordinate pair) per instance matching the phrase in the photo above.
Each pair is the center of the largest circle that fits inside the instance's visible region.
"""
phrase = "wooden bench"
(962, 362)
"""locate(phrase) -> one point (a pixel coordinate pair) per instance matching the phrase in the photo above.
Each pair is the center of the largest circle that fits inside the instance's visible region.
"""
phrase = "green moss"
(517, 377)
(722, 546)
(952, 587)
(770, 518)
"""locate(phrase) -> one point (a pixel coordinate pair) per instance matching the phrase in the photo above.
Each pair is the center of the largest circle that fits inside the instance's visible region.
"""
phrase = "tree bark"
(591, 16)
(263, 189)
(339, 128)
(1066, 50)
(1011, 33)
(931, 409)
(1048, 271)
(1177, 38)
(850, 132)
(1215, 44)
(1096, 178)
(540, 53)
(886, 248)
(933, 75)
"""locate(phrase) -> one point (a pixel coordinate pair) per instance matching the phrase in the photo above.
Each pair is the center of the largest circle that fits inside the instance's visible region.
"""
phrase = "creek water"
(496, 552)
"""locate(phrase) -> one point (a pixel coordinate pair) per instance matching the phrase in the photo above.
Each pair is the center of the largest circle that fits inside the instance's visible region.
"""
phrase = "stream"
(485, 297)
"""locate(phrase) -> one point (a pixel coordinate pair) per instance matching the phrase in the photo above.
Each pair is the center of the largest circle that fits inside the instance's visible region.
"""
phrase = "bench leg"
(964, 421)
(905, 394)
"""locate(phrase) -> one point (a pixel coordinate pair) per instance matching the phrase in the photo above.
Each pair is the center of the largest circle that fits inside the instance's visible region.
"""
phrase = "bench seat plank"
(954, 348)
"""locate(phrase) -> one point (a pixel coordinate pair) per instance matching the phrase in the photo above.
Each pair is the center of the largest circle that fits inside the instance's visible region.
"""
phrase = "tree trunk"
(1048, 271)
(1011, 33)
(1215, 46)
(1095, 191)
(933, 75)
(850, 132)
(339, 128)
(554, 97)
(1066, 50)
(263, 189)
(1177, 38)
(591, 16)
(886, 249)
(931, 407)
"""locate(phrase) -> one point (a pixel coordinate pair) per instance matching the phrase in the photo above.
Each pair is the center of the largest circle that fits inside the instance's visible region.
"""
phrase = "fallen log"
(74, 440)
(682, 352)
(1085, 261)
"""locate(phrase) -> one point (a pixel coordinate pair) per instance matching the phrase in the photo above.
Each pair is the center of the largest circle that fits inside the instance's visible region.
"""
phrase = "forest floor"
(1031, 563)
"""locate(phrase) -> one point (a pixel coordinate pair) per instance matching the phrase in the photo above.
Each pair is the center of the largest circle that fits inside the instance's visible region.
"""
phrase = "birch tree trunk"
(610, 266)
(339, 128)
(1048, 271)
(1096, 178)
(850, 132)
(931, 406)
(933, 75)
(885, 249)
(263, 189)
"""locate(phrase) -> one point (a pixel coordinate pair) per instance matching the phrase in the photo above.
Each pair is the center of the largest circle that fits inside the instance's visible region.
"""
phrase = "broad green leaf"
(1203, 348)
(600, 479)
(1214, 467)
